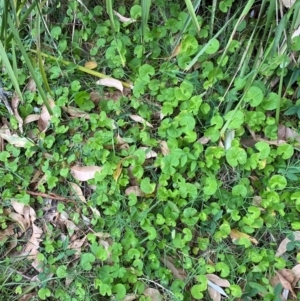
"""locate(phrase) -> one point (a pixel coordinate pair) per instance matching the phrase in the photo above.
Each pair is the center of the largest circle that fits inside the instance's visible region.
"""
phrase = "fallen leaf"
(149, 153)
(33, 244)
(216, 288)
(285, 283)
(75, 112)
(9, 231)
(285, 133)
(24, 225)
(178, 273)
(164, 148)
(203, 140)
(76, 245)
(84, 173)
(130, 297)
(217, 280)
(153, 293)
(31, 85)
(117, 172)
(14, 104)
(31, 118)
(76, 191)
(282, 248)
(235, 234)
(124, 19)
(27, 297)
(134, 190)
(90, 65)
(215, 296)
(288, 3)
(16, 140)
(296, 272)
(140, 119)
(176, 51)
(110, 82)
(44, 121)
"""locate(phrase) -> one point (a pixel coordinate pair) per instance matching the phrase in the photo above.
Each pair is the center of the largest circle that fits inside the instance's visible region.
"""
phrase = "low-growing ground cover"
(150, 150)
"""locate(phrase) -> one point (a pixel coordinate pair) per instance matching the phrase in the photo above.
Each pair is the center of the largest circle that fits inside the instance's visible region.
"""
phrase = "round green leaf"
(146, 186)
(213, 46)
(236, 155)
(277, 182)
(285, 150)
(236, 119)
(189, 46)
(271, 101)
(254, 96)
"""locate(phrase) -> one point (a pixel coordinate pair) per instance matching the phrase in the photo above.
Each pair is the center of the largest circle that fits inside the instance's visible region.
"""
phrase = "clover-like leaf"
(236, 155)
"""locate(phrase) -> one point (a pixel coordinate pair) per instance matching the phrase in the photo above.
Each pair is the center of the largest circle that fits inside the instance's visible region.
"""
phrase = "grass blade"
(192, 14)
(146, 4)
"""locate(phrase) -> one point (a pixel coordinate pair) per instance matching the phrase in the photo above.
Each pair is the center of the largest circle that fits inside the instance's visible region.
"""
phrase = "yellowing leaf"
(117, 172)
(84, 173)
(110, 82)
(90, 65)
(140, 119)
(235, 234)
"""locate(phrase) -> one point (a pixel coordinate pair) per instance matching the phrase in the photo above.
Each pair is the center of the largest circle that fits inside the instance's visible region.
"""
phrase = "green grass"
(176, 178)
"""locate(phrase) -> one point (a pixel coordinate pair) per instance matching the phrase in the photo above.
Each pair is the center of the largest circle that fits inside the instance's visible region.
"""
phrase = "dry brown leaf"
(14, 104)
(31, 118)
(153, 293)
(84, 173)
(215, 296)
(76, 191)
(235, 234)
(27, 297)
(24, 225)
(203, 140)
(176, 51)
(33, 244)
(124, 19)
(178, 273)
(288, 3)
(90, 65)
(134, 190)
(149, 153)
(16, 140)
(122, 144)
(75, 112)
(9, 231)
(296, 273)
(164, 148)
(285, 133)
(31, 85)
(110, 82)
(140, 119)
(44, 120)
(285, 283)
(130, 297)
(76, 245)
(217, 280)
(282, 247)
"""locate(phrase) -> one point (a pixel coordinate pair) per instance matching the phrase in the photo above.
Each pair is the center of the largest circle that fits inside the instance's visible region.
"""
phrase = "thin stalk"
(192, 14)
(81, 68)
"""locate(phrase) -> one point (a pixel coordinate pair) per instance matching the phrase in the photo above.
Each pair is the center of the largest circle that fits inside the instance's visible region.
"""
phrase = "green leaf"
(189, 45)
(86, 260)
(196, 291)
(146, 186)
(236, 119)
(213, 46)
(120, 291)
(44, 293)
(285, 151)
(254, 96)
(210, 186)
(61, 271)
(264, 149)
(236, 155)
(277, 182)
(271, 101)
